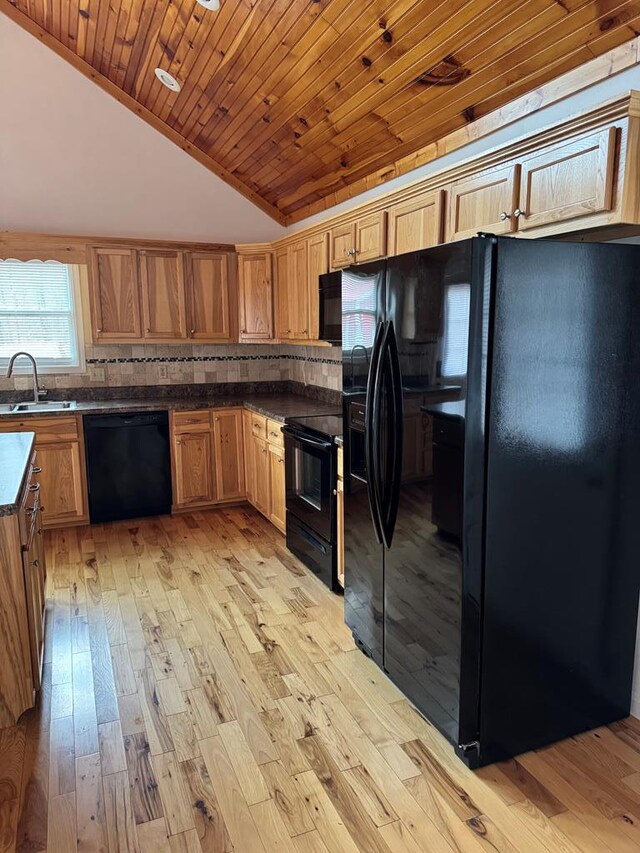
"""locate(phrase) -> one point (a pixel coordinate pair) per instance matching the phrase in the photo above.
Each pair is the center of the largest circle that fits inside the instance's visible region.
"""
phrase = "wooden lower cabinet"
(277, 505)
(229, 454)
(22, 602)
(207, 457)
(193, 467)
(60, 447)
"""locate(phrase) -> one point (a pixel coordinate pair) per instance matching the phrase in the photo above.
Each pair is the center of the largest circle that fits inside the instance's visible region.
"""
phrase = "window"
(38, 314)
(456, 330)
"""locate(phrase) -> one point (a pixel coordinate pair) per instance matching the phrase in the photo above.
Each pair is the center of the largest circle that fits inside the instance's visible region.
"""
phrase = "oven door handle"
(372, 434)
(303, 439)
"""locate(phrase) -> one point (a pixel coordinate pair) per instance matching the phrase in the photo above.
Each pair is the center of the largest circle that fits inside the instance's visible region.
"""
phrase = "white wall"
(75, 161)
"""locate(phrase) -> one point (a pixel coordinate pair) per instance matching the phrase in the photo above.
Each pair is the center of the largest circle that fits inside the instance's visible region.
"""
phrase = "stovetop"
(328, 426)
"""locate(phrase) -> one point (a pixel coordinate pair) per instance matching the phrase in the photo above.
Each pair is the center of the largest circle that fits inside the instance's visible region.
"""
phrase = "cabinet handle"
(304, 331)
(518, 213)
(34, 487)
(35, 563)
(504, 215)
(280, 461)
(36, 470)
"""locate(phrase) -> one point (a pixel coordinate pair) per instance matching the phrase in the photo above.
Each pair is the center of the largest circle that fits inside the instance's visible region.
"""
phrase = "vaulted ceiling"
(291, 101)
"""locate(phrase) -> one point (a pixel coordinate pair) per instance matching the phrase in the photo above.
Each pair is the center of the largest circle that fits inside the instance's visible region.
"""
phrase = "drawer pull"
(35, 563)
(36, 470)
(34, 487)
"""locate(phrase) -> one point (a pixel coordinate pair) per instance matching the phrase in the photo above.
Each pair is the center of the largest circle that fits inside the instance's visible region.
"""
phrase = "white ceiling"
(75, 161)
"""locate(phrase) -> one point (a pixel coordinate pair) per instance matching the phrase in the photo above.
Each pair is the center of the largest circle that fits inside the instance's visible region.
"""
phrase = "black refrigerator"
(491, 392)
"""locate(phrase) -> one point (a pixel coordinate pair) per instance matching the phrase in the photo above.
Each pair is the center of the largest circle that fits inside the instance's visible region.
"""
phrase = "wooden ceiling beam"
(126, 100)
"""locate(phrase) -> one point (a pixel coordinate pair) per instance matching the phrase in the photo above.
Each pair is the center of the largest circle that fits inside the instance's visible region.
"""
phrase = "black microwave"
(330, 285)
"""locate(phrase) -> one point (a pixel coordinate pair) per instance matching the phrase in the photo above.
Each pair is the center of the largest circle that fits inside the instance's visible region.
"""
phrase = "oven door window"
(309, 478)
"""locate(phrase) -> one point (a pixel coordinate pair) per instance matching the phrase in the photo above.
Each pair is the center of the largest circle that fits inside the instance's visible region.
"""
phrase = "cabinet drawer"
(274, 433)
(47, 430)
(191, 421)
(259, 426)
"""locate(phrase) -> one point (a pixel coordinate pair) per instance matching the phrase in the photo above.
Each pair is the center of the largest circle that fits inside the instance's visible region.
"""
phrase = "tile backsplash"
(153, 364)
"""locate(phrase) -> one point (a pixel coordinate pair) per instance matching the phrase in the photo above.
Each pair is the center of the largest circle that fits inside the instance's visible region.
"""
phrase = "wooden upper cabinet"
(416, 224)
(571, 180)
(284, 310)
(299, 289)
(163, 294)
(256, 297)
(115, 307)
(371, 237)
(485, 202)
(194, 480)
(359, 241)
(208, 297)
(342, 240)
(318, 264)
(229, 453)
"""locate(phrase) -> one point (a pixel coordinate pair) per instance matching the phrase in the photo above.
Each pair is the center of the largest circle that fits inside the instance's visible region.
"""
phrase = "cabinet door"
(207, 297)
(256, 297)
(371, 237)
(62, 483)
(34, 577)
(162, 285)
(283, 308)
(342, 239)
(262, 490)
(229, 456)
(416, 224)
(277, 513)
(193, 465)
(318, 264)
(299, 288)
(249, 457)
(114, 294)
(572, 180)
(485, 202)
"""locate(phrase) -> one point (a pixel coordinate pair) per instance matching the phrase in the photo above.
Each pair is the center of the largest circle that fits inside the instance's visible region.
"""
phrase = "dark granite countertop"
(455, 409)
(15, 454)
(279, 406)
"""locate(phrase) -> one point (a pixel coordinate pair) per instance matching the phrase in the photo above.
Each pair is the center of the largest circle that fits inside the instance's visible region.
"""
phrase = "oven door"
(310, 475)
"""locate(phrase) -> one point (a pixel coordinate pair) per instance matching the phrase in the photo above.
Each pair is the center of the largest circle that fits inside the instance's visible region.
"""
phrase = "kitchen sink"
(43, 406)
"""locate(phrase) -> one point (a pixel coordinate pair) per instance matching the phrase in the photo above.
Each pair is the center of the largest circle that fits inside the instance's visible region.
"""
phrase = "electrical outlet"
(96, 373)
(162, 371)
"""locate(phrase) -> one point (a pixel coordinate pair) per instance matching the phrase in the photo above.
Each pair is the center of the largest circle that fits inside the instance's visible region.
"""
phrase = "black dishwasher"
(128, 465)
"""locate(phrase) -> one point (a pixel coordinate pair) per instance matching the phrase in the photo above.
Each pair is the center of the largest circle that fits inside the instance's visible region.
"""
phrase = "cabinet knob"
(178, 442)
(518, 213)
(304, 331)
(504, 215)
(243, 331)
(335, 491)
(217, 418)
(98, 330)
(35, 563)
(192, 332)
(147, 330)
(280, 461)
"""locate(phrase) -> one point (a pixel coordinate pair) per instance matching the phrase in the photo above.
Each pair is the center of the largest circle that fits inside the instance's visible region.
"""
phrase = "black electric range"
(311, 482)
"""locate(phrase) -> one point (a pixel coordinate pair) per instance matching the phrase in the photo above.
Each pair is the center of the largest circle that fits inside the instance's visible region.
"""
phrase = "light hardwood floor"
(201, 693)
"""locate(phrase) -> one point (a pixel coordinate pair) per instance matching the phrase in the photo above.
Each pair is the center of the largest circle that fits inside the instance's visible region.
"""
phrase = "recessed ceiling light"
(214, 5)
(167, 80)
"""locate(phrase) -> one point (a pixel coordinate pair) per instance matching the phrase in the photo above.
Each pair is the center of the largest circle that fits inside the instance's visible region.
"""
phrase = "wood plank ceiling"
(291, 102)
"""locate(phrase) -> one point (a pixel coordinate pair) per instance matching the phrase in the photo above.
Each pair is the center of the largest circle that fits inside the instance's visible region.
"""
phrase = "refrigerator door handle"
(396, 433)
(371, 434)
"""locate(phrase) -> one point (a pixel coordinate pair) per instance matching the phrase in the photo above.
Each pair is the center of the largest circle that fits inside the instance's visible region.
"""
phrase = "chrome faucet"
(37, 391)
